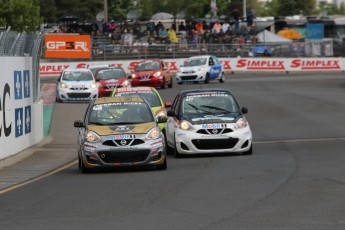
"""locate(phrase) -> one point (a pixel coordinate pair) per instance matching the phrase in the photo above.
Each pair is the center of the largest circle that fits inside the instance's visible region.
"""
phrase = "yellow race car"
(120, 132)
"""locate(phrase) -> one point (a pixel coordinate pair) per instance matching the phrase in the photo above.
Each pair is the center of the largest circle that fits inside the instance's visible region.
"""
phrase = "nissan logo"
(214, 131)
(123, 142)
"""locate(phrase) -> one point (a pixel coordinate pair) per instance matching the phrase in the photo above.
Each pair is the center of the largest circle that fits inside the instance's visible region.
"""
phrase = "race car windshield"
(110, 74)
(209, 103)
(147, 66)
(77, 76)
(195, 62)
(120, 113)
(151, 98)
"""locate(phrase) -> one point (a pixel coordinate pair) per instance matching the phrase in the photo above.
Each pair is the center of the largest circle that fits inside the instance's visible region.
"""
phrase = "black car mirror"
(244, 110)
(162, 119)
(78, 124)
(171, 113)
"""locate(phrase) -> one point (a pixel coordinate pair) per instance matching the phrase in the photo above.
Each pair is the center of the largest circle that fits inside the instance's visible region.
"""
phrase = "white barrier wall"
(21, 120)
(230, 65)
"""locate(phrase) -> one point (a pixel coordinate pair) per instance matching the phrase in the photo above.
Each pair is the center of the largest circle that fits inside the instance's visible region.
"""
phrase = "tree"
(296, 7)
(20, 15)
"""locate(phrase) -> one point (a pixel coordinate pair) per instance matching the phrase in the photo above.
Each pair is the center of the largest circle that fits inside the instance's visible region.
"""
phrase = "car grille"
(192, 77)
(129, 142)
(214, 131)
(79, 95)
(123, 156)
(188, 72)
(206, 144)
(145, 77)
(82, 87)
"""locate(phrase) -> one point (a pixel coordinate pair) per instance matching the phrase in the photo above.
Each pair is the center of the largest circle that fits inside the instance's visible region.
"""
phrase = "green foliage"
(296, 7)
(20, 15)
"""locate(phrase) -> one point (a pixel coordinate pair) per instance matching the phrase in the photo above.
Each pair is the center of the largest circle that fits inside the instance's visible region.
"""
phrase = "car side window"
(174, 106)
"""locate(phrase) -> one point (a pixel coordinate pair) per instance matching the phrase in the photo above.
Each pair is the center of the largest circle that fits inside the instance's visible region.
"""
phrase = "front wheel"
(207, 78)
(176, 153)
(163, 166)
(82, 167)
(222, 78)
(249, 152)
(171, 83)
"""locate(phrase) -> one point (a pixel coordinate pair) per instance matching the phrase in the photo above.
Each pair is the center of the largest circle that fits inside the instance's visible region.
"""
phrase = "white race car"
(76, 85)
(201, 69)
(207, 121)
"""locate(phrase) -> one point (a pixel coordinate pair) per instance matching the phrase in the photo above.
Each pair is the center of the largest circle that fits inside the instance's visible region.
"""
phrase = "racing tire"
(249, 152)
(207, 78)
(164, 85)
(169, 150)
(163, 166)
(171, 83)
(58, 100)
(222, 78)
(82, 167)
(176, 153)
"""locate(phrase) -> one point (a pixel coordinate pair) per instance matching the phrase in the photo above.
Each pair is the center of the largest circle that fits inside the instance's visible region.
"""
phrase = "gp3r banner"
(67, 46)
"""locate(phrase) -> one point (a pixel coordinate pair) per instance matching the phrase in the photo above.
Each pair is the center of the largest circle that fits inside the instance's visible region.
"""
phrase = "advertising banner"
(67, 46)
(230, 65)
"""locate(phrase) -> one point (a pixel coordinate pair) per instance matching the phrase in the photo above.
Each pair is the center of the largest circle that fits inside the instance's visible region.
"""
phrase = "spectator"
(150, 27)
(163, 34)
(126, 39)
(158, 28)
(105, 27)
(226, 26)
(216, 28)
(189, 29)
(236, 15)
(182, 29)
(111, 27)
(172, 36)
(94, 29)
(250, 18)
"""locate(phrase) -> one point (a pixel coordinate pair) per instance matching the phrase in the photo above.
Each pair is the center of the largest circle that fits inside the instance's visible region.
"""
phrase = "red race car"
(110, 78)
(153, 73)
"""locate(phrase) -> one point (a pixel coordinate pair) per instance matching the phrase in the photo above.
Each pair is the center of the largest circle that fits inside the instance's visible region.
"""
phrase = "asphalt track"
(294, 179)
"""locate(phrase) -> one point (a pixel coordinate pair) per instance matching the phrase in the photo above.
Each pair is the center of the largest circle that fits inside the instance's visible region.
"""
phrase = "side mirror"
(167, 104)
(78, 124)
(171, 113)
(244, 110)
(162, 119)
(130, 76)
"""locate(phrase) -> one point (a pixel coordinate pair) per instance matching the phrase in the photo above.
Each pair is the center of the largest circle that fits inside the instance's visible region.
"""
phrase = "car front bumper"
(191, 142)
(198, 76)
(98, 155)
(77, 95)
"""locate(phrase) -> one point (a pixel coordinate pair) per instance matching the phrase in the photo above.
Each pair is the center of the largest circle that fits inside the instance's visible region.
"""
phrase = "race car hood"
(198, 119)
(112, 82)
(145, 73)
(122, 129)
(78, 83)
(191, 68)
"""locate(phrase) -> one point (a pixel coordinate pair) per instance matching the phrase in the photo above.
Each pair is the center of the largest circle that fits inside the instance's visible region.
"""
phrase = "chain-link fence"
(24, 45)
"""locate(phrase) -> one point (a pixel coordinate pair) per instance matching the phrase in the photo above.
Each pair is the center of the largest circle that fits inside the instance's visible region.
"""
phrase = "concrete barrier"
(21, 120)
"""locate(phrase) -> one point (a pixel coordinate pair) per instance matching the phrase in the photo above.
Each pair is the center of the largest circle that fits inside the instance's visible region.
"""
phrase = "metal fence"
(24, 45)
(144, 51)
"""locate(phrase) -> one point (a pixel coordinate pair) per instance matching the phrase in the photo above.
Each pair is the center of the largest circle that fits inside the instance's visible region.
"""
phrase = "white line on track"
(300, 140)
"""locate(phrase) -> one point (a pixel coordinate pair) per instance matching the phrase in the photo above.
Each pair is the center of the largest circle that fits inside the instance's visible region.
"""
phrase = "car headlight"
(185, 125)
(202, 69)
(134, 76)
(91, 136)
(162, 113)
(94, 85)
(63, 85)
(241, 123)
(157, 74)
(125, 83)
(154, 133)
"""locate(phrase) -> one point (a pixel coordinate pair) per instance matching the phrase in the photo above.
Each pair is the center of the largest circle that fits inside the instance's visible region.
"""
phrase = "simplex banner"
(230, 65)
